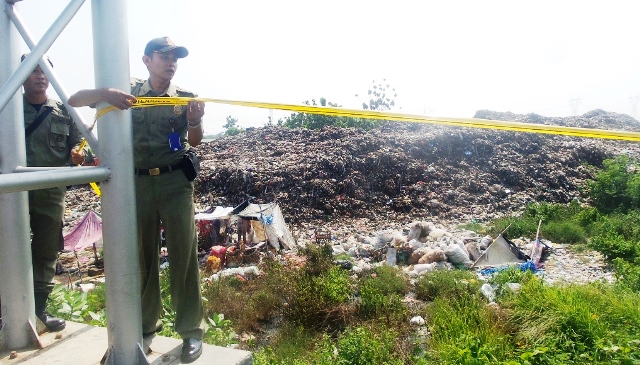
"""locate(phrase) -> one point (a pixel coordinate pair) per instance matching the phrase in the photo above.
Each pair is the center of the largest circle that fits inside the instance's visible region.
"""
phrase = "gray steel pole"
(48, 70)
(16, 286)
(111, 64)
(43, 178)
(14, 82)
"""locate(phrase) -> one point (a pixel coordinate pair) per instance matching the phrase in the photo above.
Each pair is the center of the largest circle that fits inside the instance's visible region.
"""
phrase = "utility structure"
(111, 63)
(575, 105)
(634, 100)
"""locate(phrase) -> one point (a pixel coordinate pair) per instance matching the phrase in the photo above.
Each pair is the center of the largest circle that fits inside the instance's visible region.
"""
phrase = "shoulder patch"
(136, 81)
(183, 92)
(136, 85)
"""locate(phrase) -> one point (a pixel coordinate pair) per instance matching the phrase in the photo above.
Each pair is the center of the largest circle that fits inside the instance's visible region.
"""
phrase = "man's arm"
(195, 112)
(90, 97)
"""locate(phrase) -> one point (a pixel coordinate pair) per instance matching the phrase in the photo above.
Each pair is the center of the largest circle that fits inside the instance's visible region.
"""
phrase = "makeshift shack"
(213, 227)
(266, 224)
(500, 252)
(85, 233)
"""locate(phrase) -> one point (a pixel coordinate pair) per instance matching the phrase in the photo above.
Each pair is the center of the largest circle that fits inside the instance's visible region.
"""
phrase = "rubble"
(367, 187)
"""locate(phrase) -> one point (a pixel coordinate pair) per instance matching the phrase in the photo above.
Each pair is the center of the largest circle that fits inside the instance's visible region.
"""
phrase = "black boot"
(53, 324)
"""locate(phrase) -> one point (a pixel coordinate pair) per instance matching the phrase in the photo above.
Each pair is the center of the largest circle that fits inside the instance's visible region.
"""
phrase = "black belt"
(158, 170)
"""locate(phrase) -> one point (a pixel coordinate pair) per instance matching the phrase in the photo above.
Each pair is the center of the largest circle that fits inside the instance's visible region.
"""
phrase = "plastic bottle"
(391, 256)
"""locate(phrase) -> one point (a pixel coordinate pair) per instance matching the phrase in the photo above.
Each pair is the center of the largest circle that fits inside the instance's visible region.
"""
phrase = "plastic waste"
(417, 320)
(488, 291)
(391, 256)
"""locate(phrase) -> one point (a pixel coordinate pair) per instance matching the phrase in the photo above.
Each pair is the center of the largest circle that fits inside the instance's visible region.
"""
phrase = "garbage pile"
(406, 169)
(356, 184)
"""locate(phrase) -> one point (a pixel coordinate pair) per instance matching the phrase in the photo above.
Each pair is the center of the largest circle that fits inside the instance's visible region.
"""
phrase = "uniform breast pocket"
(58, 134)
(137, 115)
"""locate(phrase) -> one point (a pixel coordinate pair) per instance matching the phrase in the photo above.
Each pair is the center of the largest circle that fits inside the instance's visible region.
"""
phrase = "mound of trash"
(407, 169)
(405, 185)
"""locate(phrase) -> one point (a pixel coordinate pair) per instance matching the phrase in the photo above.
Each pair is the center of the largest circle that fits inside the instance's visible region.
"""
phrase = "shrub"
(628, 274)
(615, 246)
(464, 330)
(363, 346)
(511, 275)
(575, 323)
(447, 284)
(474, 227)
(517, 227)
(318, 301)
(616, 187)
(564, 232)
(551, 211)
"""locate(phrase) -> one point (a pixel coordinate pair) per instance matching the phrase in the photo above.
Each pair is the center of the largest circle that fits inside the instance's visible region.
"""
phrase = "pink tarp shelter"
(85, 233)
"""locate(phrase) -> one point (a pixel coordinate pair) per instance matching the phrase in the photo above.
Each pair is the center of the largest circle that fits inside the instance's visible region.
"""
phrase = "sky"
(443, 58)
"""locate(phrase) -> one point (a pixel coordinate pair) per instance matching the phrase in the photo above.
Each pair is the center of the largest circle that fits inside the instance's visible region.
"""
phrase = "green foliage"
(387, 280)
(447, 284)
(587, 217)
(219, 331)
(615, 246)
(617, 186)
(363, 346)
(381, 294)
(551, 211)
(511, 275)
(319, 258)
(474, 227)
(231, 127)
(318, 121)
(616, 235)
(628, 274)
(249, 302)
(465, 331)
(73, 305)
(576, 323)
(291, 345)
(381, 97)
(560, 223)
(354, 346)
(500, 279)
(565, 232)
(316, 299)
(68, 304)
(517, 227)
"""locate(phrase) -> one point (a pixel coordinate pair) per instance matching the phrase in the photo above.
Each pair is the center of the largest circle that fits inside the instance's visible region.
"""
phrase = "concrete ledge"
(80, 344)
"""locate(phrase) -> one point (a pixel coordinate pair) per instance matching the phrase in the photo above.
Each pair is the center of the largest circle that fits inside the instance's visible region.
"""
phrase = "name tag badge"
(174, 142)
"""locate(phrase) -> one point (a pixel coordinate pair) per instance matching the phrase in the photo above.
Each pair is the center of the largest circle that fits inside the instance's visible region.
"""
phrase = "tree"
(231, 128)
(314, 121)
(380, 97)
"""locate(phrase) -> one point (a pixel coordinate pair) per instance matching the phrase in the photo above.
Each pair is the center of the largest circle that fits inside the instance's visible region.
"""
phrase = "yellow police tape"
(143, 102)
(94, 186)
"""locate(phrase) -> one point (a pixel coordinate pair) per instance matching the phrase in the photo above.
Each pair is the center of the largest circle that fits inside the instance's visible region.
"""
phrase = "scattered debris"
(405, 185)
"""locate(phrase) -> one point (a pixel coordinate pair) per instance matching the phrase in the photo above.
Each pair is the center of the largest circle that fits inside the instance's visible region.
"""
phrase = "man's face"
(162, 65)
(37, 82)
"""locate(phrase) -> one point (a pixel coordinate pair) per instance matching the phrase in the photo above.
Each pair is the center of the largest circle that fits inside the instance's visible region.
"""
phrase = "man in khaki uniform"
(161, 138)
(52, 141)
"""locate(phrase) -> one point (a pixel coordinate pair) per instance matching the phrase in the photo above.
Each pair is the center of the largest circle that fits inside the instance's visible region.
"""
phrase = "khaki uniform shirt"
(50, 144)
(152, 126)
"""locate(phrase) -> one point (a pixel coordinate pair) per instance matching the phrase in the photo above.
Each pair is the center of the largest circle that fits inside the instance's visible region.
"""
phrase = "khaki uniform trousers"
(46, 212)
(169, 197)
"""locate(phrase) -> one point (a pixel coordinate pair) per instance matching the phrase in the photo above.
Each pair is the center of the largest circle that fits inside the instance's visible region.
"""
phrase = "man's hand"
(118, 98)
(77, 156)
(195, 111)
(90, 97)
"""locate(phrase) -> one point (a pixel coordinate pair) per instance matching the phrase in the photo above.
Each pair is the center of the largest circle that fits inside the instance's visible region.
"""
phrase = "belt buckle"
(154, 171)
